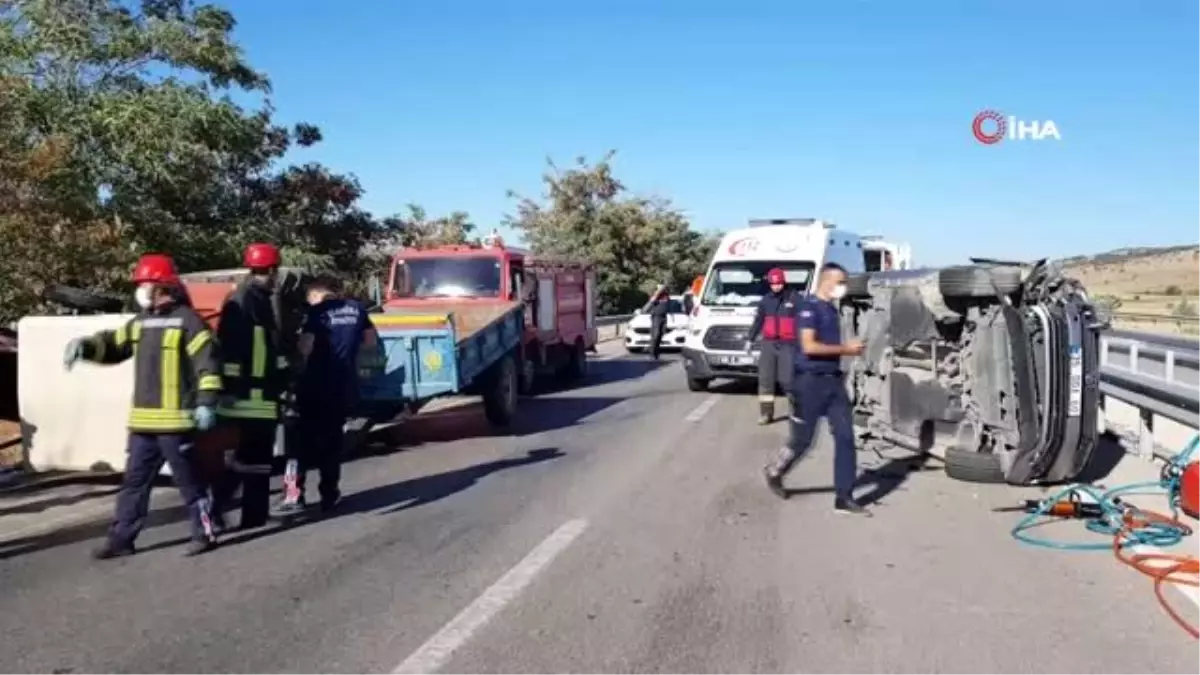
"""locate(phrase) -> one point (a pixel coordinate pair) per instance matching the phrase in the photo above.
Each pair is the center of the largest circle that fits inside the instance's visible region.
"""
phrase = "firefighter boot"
(766, 412)
(111, 550)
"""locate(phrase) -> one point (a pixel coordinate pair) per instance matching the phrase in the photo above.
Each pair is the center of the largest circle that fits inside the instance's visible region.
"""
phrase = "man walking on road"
(820, 392)
(330, 341)
(256, 378)
(658, 307)
(776, 320)
(175, 390)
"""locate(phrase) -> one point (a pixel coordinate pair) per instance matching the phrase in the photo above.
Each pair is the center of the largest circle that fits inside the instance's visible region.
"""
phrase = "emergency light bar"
(807, 222)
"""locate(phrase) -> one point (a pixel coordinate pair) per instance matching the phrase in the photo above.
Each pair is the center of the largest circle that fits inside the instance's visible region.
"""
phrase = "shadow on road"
(883, 479)
(423, 490)
(1107, 454)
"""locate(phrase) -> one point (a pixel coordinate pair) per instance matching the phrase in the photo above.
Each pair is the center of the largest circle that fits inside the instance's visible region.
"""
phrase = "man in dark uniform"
(333, 333)
(776, 319)
(658, 308)
(175, 390)
(256, 378)
(821, 392)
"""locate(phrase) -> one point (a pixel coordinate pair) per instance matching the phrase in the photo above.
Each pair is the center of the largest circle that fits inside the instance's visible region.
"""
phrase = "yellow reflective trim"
(120, 336)
(385, 320)
(198, 342)
(135, 331)
(209, 383)
(150, 419)
(258, 359)
(233, 370)
(256, 395)
(242, 414)
(170, 368)
(281, 362)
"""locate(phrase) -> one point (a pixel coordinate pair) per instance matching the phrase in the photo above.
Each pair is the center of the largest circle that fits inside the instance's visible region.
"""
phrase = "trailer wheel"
(529, 373)
(500, 398)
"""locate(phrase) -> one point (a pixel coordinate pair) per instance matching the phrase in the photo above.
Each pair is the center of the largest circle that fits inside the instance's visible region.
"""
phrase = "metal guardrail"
(614, 320)
(1186, 322)
(1158, 374)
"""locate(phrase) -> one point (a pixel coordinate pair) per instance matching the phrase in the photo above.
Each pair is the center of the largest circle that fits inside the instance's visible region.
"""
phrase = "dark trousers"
(658, 325)
(147, 453)
(321, 432)
(776, 361)
(817, 396)
(256, 447)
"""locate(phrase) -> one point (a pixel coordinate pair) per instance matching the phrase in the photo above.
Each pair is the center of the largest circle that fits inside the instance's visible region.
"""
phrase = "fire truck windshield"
(456, 277)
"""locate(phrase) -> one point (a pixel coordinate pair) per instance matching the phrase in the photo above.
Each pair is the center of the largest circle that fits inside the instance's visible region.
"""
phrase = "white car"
(637, 333)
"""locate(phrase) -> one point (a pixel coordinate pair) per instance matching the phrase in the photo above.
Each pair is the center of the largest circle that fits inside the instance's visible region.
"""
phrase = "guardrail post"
(1133, 357)
(1169, 366)
(1145, 440)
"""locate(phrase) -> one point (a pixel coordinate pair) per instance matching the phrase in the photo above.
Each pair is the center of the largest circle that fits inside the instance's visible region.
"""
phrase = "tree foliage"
(119, 134)
(637, 242)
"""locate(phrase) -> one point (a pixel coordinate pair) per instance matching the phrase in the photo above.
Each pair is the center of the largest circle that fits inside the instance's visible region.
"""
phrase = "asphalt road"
(621, 526)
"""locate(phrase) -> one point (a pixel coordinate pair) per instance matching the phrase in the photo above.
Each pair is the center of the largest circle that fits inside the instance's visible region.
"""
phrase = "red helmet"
(155, 268)
(260, 257)
(776, 276)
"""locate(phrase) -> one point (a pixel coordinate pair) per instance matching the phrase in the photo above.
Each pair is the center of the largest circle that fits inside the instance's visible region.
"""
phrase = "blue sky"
(851, 110)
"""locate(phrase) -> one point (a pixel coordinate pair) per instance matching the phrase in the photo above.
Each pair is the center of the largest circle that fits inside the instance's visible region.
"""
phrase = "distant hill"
(1166, 270)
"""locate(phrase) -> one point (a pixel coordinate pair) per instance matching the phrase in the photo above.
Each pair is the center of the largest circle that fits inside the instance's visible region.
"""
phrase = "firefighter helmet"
(260, 256)
(776, 276)
(155, 268)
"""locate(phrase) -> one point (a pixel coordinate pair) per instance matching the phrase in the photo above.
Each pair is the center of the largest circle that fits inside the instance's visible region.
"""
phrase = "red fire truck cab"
(478, 282)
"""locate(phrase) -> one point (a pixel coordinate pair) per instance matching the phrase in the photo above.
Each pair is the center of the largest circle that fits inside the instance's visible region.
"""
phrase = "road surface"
(621, 527)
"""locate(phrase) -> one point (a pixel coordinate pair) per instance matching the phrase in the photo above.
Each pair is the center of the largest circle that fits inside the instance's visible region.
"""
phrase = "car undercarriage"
(994, 364)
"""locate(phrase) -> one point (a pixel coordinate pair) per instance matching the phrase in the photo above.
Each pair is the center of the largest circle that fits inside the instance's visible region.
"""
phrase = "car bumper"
(704, 366)
(672, 339)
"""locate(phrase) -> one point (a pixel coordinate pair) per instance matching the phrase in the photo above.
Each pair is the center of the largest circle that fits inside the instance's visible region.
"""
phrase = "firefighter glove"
(206, 417)
(73, 353)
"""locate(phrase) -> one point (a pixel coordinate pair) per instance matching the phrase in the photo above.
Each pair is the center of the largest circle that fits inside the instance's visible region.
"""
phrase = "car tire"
(856, 286)
(83, 300)
(697, 383)
(973, 467)
(976, 281)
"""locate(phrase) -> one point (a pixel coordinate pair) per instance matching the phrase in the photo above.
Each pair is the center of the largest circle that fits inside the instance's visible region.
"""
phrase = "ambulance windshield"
(450, 277)
(739, 284)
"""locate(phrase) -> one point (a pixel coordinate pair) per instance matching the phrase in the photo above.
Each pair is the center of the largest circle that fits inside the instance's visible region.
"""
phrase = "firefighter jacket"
(776, 317)
(254, 370)
(174, 365)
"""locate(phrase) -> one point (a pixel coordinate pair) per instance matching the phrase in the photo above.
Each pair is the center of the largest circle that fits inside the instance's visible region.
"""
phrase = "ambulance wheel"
(500, 399)
(529, 379)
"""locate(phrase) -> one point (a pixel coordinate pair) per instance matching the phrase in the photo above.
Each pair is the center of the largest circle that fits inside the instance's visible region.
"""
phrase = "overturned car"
(994, 364)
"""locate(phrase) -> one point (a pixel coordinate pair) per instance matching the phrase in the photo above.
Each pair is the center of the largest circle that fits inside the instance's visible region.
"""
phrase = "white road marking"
(1190, 592)
(432, 655)
(702, 409)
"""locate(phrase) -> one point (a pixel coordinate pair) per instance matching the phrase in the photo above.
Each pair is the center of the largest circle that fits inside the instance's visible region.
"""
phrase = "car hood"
(674, 321)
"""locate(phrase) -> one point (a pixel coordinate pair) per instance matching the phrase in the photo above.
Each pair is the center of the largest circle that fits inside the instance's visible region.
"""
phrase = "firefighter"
(658, 307)
(330, 340)
(776, 319)
(255, 373)
(175, 391)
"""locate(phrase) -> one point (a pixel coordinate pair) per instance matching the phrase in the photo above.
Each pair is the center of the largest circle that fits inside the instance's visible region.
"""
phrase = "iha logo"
(990, 127)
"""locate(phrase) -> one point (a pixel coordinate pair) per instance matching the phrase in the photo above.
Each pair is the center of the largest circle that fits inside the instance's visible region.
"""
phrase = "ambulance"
(715, 346)
(880, 255)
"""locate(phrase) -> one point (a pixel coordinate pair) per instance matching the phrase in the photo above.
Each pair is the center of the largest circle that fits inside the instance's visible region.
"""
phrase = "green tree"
(637, 242)
(119, 135)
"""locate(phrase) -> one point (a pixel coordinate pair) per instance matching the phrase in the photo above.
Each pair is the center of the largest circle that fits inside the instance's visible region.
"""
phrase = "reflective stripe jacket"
(776, 317)
(174, 362)
(254, 371)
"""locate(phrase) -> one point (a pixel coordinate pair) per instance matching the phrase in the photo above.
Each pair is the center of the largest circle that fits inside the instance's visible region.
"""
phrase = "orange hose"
(1183, 570)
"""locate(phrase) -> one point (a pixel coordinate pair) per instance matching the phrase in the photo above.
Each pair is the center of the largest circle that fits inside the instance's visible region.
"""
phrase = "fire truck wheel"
(577, 368)
(529, 379)
(500, 399)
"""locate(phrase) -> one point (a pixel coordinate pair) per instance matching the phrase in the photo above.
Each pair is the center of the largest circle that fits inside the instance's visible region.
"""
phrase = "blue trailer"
(472, 350)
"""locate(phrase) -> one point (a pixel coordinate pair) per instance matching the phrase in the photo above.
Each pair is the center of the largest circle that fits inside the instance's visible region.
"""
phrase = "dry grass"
(1145, 281)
